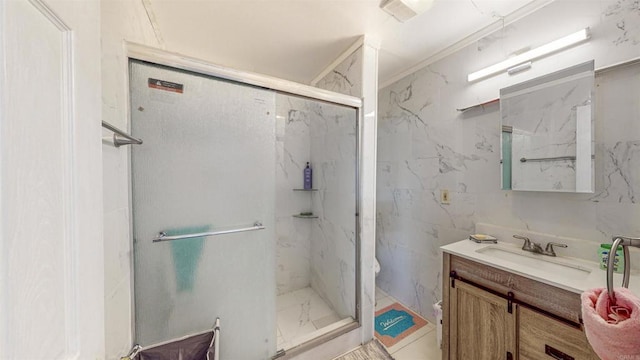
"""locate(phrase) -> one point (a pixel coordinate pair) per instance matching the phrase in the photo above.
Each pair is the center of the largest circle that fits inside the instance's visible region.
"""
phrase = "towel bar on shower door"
(625, 242)
(548, 158)
(162, 236)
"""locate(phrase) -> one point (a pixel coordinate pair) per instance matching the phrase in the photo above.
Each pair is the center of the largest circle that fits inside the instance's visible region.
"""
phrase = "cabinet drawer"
(543, 338)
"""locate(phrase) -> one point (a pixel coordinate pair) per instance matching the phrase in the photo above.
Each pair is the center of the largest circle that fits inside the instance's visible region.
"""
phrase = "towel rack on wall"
(549, 158)
(162, 236)
(625, 242)
(117, 141)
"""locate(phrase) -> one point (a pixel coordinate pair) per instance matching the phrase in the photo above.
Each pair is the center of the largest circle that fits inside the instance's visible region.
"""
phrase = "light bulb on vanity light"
(522, 59)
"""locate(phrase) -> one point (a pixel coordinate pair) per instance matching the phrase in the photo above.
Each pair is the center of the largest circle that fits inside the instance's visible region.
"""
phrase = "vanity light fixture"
(536, 53)
(519, 68)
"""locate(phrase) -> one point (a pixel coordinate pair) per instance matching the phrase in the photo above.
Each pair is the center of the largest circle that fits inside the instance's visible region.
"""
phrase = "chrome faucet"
(536, 248)
(529, 245)
(548, 250)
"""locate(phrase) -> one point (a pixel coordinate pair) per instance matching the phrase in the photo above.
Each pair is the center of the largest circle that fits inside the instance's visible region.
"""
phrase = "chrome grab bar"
(162, 236)
(625, 242)
(117, 132)
(549, 158)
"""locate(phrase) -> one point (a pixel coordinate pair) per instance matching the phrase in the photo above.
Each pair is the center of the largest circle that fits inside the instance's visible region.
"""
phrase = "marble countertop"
(593, 277)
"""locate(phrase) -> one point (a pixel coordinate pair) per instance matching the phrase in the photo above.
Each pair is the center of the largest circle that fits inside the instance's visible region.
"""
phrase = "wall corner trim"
(345, 54)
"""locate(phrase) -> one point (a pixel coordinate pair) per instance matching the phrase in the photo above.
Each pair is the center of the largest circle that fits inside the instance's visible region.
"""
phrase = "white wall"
(121, 21)
(426, 145)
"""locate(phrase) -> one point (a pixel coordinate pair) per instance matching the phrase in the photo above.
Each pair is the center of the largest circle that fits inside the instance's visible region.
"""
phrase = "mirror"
(547, 132)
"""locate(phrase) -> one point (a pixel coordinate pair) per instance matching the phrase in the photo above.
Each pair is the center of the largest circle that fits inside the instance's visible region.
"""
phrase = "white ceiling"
(297, 39)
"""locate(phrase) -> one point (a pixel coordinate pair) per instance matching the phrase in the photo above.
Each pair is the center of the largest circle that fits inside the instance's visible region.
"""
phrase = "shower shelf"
(300, 216)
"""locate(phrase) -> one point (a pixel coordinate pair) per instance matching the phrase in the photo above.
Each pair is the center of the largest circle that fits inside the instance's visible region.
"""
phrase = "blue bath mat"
(395, 322)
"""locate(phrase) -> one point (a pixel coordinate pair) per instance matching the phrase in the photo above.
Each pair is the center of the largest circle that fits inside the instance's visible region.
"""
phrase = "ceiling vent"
(404, 10)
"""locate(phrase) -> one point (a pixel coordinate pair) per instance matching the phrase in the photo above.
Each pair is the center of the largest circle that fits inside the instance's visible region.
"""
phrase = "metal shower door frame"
(181, 62)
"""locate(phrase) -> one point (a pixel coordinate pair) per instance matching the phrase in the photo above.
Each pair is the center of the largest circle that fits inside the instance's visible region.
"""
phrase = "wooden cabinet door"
(481, 326)
(541, 337)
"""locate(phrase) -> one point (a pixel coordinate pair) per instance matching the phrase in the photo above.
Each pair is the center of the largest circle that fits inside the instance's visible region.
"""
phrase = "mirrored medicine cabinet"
(548, 132)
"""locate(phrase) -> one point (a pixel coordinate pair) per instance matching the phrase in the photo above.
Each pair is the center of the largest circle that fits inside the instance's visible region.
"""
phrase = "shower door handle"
(162, 236)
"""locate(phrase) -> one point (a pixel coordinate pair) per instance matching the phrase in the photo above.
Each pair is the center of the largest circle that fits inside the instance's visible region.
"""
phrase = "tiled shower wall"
(333, 234)
(293, 138)
(425, 145)
(293, 235)
(345, 78)
(321, 251)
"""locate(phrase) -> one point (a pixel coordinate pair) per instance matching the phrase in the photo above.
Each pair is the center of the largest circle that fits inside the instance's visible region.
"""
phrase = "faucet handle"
(549, 248)
(527, 242)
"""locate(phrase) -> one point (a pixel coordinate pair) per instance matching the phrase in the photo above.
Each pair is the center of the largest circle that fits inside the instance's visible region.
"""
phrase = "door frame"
(183, 62)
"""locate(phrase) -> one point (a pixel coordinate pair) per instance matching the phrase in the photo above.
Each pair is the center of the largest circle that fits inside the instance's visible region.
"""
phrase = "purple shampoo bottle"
(307, 177)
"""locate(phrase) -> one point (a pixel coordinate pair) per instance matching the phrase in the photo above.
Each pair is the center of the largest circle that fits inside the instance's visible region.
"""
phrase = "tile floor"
(303, 315)
(421, 345)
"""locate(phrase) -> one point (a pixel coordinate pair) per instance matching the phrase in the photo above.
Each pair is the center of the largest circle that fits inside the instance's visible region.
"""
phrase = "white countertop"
(593, 276)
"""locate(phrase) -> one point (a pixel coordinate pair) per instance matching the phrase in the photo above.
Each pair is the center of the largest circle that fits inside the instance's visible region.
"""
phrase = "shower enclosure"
(222, 225)
(315, 228)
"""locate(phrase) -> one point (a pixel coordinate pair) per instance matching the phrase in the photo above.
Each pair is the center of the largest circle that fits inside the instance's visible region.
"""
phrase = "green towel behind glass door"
(186, 255)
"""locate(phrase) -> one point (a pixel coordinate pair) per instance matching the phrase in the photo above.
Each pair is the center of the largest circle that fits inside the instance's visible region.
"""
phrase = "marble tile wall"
(425, 145)
(293, 234)
(346, 78)
(333, 234)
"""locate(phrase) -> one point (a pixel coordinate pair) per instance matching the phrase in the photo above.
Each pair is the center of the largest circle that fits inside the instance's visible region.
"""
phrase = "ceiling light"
(404, 10)
(531, 55)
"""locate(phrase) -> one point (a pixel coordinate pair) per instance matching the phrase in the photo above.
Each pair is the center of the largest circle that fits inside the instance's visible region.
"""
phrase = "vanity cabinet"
(483, 326)
(491, 314)
(542, 338)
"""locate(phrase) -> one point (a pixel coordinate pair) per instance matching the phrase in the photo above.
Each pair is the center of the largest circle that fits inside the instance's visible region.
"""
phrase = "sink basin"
(537, 262)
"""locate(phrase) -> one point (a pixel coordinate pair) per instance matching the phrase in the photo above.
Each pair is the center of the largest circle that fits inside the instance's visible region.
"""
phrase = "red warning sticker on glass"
(165, 85)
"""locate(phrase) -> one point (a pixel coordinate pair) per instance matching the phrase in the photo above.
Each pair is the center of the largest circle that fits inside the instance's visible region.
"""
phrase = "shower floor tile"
(301, 313)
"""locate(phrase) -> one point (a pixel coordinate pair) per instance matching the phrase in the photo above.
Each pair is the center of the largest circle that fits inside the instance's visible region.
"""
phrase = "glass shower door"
(207, 164)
